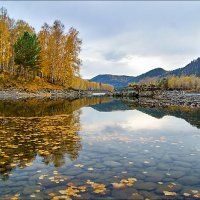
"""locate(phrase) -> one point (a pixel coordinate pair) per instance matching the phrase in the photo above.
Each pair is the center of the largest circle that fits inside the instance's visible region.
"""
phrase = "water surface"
(98, 148)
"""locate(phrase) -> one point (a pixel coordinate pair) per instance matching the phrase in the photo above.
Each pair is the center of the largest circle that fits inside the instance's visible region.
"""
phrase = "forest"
(46, 59)
(191, 83)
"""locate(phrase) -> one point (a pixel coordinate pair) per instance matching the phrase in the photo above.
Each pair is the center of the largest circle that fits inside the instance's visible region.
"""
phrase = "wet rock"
(74, 171)
(154, 176)
(148, 186)
(150, 195)
(112, 164)
(34, 177)
(181, 169)
(171, 187)
(189, 180)
(99, 166)
(29, 190)
(88, 175)
(175, 174)
(162, 166)
(182, 164)
(149, 163)
(189, 190)
(123, 193)
(136, 196)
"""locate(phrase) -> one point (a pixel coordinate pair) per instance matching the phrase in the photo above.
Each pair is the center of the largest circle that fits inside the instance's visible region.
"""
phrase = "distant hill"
(117, 81)
(120, 81)
(150, 74)
(191, 68)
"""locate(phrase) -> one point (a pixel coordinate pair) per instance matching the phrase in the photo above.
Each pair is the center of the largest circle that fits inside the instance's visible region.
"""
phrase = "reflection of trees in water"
(51, 137)
(34, 107)
(191, 115)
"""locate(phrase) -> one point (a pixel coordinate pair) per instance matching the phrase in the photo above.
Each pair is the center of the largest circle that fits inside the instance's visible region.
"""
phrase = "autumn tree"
(5, 46)
(20, 28)
(59, 53)
(16, 30)
(45, 53)
(54, 52)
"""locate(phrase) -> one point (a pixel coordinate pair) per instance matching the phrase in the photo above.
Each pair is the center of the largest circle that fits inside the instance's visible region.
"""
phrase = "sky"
(122, 37)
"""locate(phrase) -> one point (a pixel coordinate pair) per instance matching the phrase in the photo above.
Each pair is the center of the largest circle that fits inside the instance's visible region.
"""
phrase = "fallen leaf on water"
(118, 185)
(51, 194)
(197, 195)
(194, 191)
(79, 165)
(82, 188)
(167, 193)
(62, 191)
(186, 194)
(63, 197)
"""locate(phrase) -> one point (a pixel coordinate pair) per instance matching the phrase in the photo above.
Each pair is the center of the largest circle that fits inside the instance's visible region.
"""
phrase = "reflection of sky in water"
(132, 120)
(135, 126)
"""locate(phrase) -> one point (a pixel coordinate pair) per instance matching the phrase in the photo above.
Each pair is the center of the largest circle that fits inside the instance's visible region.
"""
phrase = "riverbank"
(146, 98)
(15, 94)
(167, 98)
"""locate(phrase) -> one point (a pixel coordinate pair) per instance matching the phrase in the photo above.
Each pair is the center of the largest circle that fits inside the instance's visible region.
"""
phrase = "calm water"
(98, 148)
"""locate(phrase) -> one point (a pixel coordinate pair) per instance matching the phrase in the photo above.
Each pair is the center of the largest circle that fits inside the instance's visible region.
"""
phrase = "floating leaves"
(167, 193)
(79, 165)
(125, 182)
(63, 197)
(15, 197)
(186, 194)
(23, 138)
(73, 190)
(197, 195)
(118, 185)
(98, 188)
(57, 179)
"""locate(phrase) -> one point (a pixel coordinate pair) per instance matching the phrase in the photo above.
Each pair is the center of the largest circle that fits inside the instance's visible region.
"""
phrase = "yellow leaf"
(167, 193)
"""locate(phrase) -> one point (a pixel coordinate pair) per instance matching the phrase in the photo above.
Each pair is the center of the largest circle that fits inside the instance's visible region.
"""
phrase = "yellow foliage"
(59, 56)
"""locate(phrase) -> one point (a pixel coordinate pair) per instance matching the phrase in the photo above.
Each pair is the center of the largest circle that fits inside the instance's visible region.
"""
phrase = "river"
(98, 148)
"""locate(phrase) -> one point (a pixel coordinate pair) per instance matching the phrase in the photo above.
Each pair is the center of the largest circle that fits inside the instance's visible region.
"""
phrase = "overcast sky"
(127, 38)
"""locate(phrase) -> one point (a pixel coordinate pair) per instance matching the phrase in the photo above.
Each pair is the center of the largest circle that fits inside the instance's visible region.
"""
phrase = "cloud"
(123, 37)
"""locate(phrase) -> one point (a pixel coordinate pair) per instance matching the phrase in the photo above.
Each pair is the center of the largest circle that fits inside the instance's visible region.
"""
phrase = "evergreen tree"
(27, 50)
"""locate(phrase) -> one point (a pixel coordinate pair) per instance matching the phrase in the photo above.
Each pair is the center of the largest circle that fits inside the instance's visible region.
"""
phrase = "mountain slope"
(191, 68)
(150, 74)
(116, 80)
(121, 81)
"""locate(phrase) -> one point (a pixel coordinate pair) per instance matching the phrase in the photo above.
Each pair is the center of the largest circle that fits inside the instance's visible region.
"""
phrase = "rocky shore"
(166, 98)
(15, 94)
(149, 98)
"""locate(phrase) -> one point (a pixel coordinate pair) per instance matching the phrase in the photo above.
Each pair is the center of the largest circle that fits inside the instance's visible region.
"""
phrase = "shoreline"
(17, 94)
(159, 98)
(165, 98)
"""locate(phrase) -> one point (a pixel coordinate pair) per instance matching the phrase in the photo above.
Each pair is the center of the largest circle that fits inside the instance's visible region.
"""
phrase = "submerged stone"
(112, 164)
(145, 185)
(189, 180)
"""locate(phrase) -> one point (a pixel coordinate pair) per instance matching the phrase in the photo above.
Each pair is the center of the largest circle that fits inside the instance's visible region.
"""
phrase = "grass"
(8, 81)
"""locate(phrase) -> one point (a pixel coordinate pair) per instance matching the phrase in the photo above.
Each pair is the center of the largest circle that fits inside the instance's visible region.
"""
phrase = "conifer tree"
(27, 51)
